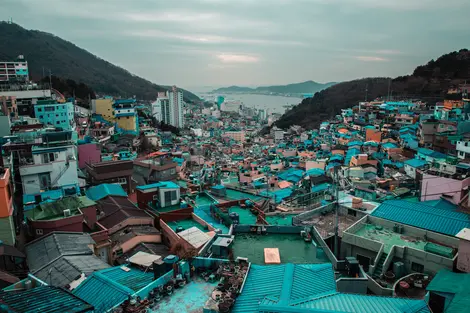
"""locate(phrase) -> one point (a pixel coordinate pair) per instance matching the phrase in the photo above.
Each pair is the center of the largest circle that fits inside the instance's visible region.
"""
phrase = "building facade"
(50, 112)
(7, 225)
(168, 107)
(14, 71)
(53, 164)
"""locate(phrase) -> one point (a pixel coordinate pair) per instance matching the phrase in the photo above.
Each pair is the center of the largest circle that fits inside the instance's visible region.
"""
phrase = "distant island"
(297, 89)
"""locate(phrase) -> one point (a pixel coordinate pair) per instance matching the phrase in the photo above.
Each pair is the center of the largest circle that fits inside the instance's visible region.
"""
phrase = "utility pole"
(336, 210)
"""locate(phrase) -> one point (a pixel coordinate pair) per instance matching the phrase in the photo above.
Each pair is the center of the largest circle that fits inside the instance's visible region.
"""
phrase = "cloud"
(390, 52)
(207, 38)
(237, 58)
(171, 17)
(370, 59)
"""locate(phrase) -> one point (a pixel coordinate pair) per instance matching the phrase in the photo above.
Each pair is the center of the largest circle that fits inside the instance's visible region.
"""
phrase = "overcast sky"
(253, 42)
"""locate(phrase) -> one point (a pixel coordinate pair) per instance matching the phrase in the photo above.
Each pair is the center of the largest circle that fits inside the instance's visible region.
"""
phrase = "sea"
(275, 104)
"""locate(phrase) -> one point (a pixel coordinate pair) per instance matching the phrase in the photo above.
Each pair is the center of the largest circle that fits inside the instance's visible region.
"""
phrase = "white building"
(463, 149)
(54, 164)
(169, 107)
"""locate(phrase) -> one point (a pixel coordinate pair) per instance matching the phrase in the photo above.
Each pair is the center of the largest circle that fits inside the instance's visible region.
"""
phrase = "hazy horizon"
(219, 43)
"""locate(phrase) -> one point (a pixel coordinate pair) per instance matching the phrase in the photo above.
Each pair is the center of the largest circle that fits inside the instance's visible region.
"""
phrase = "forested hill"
(296, 88)
(68, 61)
(428, 82)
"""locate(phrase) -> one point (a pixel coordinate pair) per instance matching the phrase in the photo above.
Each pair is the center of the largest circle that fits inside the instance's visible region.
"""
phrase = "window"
(39, 232)
(44, 180)
(48, 157)
(49, 109)
(57, 122)
(416, 267)
(57, 115)
(39, 109)
(41, 116)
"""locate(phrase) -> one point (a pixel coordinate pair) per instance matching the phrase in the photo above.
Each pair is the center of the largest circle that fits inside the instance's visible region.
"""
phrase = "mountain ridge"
(66, 60)
(306, 87)
(428, 82)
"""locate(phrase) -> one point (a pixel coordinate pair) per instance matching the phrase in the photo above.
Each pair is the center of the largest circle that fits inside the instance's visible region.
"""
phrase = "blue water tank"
(249, 203)
(183, 205)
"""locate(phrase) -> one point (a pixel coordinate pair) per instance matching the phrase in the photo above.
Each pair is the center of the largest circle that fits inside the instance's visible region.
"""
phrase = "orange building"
(373, 135)
(7, 225)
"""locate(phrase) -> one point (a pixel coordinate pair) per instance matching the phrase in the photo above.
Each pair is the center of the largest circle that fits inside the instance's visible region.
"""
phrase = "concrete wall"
(353, 245)
(355, 285)
(130, 222)
(128, 245)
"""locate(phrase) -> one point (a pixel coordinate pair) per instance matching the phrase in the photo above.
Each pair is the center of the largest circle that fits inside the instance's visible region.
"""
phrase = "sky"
(201, 43)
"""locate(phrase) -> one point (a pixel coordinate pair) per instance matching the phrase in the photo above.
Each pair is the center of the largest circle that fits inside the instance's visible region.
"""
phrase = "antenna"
(367, 89)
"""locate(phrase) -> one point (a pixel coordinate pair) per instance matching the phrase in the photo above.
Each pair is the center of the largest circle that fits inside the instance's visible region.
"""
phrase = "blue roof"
(371, 143)
(106, 288)
(454, 286)
(285, 283)
(180, 161)
(291, 175)
(416, 163)
(44, 299)
(160, 184)
(320, 187)
(434, 218)
(218, 187)
(277, 195)
(425, 151)
(315, 172)
(354, 143)
(432, 153)
(310, 288)
(101, 292)
(102, 191)
(389, 145)
(353, 303)
(337, 157)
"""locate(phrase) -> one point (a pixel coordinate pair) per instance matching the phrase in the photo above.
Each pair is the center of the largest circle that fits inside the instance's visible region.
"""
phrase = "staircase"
(265, 206)
(62, 172)
(378, 268)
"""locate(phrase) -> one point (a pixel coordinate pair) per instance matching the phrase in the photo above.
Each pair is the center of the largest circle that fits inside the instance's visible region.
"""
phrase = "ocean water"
(275, 104)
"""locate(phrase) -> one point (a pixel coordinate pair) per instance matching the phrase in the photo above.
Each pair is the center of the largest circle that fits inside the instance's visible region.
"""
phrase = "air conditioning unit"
(67, 213)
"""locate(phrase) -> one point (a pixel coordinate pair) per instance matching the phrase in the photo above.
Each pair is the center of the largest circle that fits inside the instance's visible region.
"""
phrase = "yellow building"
(104, 107)
(120, 112)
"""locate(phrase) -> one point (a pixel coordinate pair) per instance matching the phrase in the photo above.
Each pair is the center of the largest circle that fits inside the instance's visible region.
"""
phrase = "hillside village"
(166, 206)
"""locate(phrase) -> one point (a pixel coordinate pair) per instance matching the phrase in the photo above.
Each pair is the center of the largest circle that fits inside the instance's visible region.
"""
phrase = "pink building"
(88, 153)
(434, 187)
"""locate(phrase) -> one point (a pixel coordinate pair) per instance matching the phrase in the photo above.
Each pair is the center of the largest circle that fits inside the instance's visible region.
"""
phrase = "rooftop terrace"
(190, 299)
(186, 224)
(292, 248)
(390, 238)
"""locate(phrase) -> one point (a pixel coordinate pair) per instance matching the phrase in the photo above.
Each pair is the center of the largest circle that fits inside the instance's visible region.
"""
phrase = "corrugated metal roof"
(44, 299)
(66, 269)
(455, 284)
(284, 283)
(311, 279)
(422, 216)
(365, 304)
(104, 190)
(46, 249)
(101, 292)
(133, 279)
